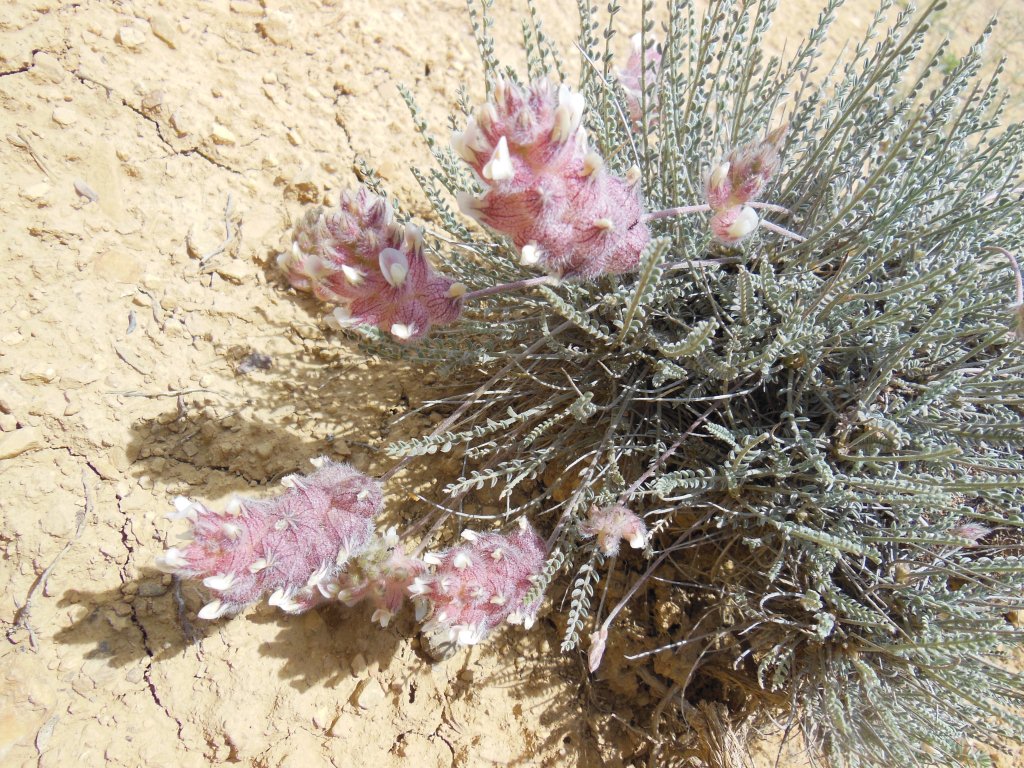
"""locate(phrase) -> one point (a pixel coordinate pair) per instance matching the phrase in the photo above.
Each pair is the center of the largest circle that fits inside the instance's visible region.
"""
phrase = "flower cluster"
(613, 524)
(553, 197)
(381, 573)
(294, 546)
(739, 180)
(481, 583)
(632, 77)
(357, 257)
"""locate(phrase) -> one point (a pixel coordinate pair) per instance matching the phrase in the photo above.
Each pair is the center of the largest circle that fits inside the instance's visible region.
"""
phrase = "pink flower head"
(357, 257)
(479, 584)
(611, 525)
(745, 172)
(292, 546)
(555, 199)
(973, 532)
(382, 573)
(632, 81)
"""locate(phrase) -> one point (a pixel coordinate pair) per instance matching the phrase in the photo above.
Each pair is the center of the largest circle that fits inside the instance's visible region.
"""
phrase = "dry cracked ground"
(152, 157)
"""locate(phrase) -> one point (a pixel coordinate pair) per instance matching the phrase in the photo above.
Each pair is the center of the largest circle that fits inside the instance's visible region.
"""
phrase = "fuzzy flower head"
(481, 583)
(632, 77)
(292, 546)
(553, 197)
(612, 525)
(745, 172)
(382, 573)
(374, 269)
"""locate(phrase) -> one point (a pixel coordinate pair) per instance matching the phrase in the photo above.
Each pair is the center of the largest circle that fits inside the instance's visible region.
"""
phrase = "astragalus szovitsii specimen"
(812, 422)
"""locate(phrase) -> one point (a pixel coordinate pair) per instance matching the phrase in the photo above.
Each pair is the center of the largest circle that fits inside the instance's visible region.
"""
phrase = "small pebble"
(130, 37)
(83, 189)
(64, 116)
(222, 134)
(36, 191)
(371, 695)
(164, 29)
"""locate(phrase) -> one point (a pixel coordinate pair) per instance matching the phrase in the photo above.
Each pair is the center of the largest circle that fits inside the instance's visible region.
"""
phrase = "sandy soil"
(152, 157)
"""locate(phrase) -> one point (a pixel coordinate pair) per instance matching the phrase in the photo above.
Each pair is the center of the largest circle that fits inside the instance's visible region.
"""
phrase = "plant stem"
(782, 231)
(1015, 266)
(509, 287)
(684, 210)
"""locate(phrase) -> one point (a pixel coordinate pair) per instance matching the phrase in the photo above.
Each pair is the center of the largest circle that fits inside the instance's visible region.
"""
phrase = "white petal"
(418, 587)
(234, 505)
(719, 175)
(403, 331)
(497, 600)
(497, 554)
(212, 610)
(637, 540)
(382, 617)
(606, 225)
(457, 291)
(745, 223)
(231, 530)
(528, 621)
(341, 317)
(171, 561)
(318, 461)
(394, 265)
(469, 535)
(530, 255)
(462, 561)
(499, 167)
(352, 275)
(421, 609)
(431, 559)
(257, 565)
(469, 204)
(220, 582)
(468, 636)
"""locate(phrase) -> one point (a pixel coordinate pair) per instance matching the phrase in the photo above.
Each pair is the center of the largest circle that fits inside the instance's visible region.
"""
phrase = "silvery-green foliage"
(838, 417)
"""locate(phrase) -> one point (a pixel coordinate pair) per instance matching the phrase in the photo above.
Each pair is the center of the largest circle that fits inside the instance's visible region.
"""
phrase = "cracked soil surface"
(152, 157)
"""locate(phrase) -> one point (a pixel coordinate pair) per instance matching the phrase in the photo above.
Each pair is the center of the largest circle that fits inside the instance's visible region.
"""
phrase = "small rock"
(277, 27)
(64, 116)
(36, 192)
(47, 67)
(84, 190)
(164, 29)
(246, 7)
(1016, 618)
(20, 441)
(232, 271)
(8, 422)
(180, 124)
(151, 589)
(130, 37)
(222, 135)
(370, 695)
(118, 266)
(152, 101)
